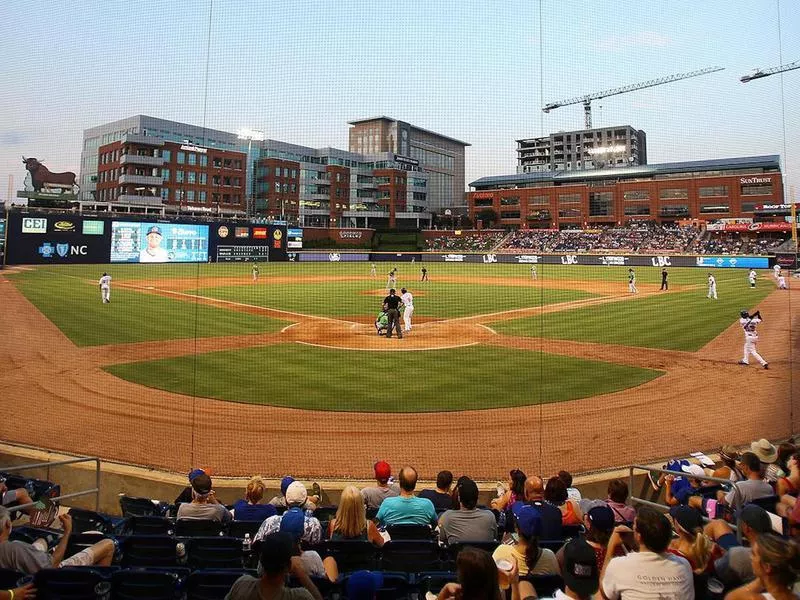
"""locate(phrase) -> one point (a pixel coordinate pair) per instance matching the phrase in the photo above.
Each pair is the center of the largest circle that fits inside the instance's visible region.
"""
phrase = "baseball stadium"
(326, 302)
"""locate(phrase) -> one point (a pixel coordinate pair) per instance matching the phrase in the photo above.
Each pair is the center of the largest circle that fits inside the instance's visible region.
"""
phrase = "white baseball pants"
(407, 317)
(712, 292)
(105, 292)
(750, 349)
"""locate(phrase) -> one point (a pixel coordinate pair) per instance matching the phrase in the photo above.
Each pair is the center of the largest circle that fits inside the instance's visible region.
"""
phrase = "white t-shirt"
(407, 299)
(105, 281)
(749, 327)
(157, 255)
(648, 576)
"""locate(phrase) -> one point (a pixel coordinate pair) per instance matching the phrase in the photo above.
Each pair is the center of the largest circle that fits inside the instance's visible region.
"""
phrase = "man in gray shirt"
(735, 567)
(469, 524)
(374, 496)
(752, 488)
(204, 504)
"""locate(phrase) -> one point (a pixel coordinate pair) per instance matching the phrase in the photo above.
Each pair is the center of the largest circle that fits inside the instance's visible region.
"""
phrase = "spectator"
(767, 454)
(580, 571)
(685, 490)
(23, 592)
(31, 558)
(616, 501)
(311, 501)
(186, 494)
(692, 543)
(735, 567)
(524, 551)
(555, 492)
(781, 466)
(512, 491)
(18, 497)
(440, 497)
(296, 497)
(599, 523)
(456, 502)
(776, 565)
(374, 496)
(204, 504)
(651, 572)
(477, 577)
(250, 509)
(550, 515)
(572, 493)
(276, 562)
(469, 523)
(351, 521)
(728, 455)
(752, 488)
(407, 509)
(788, 487)
(293, 523)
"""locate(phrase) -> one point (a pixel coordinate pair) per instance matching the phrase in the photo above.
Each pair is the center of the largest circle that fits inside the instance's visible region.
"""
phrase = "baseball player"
(408, 310)
(392, 280)
(782, 282)
(632, 282)
(105, 288)
(373, 272)
(752, 278)
(776, 271)
(382, 322)
(255, 273)
(664, 282)
(424, 272)
(749, 323)
(533, 273)
(712, 287)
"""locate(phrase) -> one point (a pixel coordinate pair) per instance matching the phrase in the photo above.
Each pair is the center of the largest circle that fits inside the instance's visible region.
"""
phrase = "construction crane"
(587, 99)
(758, 73)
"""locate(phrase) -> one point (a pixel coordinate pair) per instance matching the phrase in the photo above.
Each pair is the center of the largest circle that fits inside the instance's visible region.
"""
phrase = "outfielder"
(408, 310)
(255, 273)
(752, 277)
(533, 272)
(776, 270)
(372, 270)
(105, 288)
(632, 282)
(424, 272)
(712, 287)
(749, 323)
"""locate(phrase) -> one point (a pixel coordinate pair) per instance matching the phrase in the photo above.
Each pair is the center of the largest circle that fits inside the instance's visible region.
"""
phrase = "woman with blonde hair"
(350, 522)
(776, 565)
(250, 508)
(691, 543)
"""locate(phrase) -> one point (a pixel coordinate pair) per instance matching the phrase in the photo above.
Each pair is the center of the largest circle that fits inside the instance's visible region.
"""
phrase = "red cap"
(382, 470)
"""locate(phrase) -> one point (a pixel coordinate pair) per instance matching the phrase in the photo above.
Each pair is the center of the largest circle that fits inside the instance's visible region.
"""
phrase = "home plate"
(150, 287)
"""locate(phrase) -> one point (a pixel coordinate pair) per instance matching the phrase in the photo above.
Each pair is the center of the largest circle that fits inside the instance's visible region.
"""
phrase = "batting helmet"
(744, 314)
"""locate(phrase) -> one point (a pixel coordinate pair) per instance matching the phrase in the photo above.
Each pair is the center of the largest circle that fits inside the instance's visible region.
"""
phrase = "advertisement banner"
(733, 262)
(53, 239)
(781, 226)
(329, 256)
(294, 238)
(243, 253)
(147, 242)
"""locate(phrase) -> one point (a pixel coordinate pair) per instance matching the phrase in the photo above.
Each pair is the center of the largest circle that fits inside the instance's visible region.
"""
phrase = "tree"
(488, 216)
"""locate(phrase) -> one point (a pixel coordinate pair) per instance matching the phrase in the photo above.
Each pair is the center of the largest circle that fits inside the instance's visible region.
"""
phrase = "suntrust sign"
(754, 180)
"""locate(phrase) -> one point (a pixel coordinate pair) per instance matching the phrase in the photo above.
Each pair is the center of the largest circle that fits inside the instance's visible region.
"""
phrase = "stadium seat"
(9, 578)
(198, 528)
(89, 520)
(351, 555)
(554, 545)
(411, 556)
(214, 553)
(454, 549)
(569, 532)
(237, 529)
(70, 584)
(80, 541)
(326, 587)
(132, 584)
(409, 532)
(211, 584)
(395, 585)
(767, 503)
(140, 507)
(325, 513)
(372, 513)
(150, 525)
(434, 581)
(545, 585)
(149, 551)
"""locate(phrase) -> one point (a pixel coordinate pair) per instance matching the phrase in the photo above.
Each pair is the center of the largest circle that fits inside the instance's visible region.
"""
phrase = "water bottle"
(246, 543)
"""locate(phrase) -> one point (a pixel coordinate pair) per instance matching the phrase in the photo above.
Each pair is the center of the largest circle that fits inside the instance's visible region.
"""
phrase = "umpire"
(392, 303)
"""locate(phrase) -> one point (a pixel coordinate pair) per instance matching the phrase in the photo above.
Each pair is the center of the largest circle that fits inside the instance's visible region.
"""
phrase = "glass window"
(748, 206)
(167, 154)
(277, 171)
(569, 213)
(670, 193)
(181, 158)
(675, 210)
(509, 214)
(202, 178)
(764, 189)
(179, 176)
(568, 198)
(192, 158)
(165, 194)
(636, 195)
(190, 195)
(637, 209)
(191, 177)
(539, 200)
(201, 196)
(165, 174)
(711, 191)
(509, 201)
(484, 202)
(601, 204)
(203, 160)
(277, 186)
(714, 208)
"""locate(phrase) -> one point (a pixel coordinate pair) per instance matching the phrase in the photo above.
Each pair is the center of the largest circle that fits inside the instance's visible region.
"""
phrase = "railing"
(95, 490)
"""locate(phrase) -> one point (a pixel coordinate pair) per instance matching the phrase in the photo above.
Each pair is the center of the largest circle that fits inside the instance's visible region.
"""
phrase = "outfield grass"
(671, 321)
(299, 376)
(348, 298)
(74, 306)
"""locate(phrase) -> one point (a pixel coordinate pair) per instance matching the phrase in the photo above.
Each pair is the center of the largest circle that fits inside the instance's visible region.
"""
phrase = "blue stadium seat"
(149, 551)
(411, 556)
(211, 584)
(140, 507)
(70, 584)
(325, 513)
(554, 545)
(434, 581)
(81, 541)
(569, 532)
(198, 528)
(395, 585)
(545, 585)
(133, 584)
(214, 553)
(767, 503)
(351, 555)
(326, 587)
(409, 532)
(237, 529)
(89, 520)
(149, 525)
(454, 549)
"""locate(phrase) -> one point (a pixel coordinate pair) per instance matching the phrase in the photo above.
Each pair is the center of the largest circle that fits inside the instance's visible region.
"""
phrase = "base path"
(57, 396)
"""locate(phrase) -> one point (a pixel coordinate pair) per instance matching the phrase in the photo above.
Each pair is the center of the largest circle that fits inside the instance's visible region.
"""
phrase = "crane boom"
(587, 99)
(759, 73)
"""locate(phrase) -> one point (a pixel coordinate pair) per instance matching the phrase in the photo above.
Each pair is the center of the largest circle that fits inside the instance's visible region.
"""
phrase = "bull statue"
(42, 178)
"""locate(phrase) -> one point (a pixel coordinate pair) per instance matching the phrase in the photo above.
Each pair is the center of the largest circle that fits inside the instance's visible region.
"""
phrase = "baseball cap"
(580, 568)
(382, 471)
(601, 517)
(154, 229)
(687, 517)
(285, 483)
(756, 517)
(694, 470)
(296, 493)
(293, 522)
(529, 521)
(362, 585)
(194, 473)
(201, 484)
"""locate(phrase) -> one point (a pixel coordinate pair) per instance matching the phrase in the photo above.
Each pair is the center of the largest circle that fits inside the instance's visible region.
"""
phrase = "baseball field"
(200, 365)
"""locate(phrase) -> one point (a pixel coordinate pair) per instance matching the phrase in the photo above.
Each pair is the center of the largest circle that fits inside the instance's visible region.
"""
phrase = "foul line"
(387, 349)
(489, 329)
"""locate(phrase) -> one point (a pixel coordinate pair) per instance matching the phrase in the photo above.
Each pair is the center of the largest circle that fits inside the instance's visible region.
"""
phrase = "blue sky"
(467, 69)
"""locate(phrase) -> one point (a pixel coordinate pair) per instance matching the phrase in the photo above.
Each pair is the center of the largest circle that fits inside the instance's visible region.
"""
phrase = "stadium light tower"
(758, 73)
(246, 133)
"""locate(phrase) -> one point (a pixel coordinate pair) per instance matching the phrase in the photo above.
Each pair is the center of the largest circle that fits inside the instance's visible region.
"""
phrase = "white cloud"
(641, 39)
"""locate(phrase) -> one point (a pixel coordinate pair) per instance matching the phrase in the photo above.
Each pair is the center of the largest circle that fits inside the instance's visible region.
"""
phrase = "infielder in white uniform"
(712, 287)
(776, 271)
(533, 272)
(752, 278)
(373, 271)
(749, 323)
(391, 282)
(105, 288)
(782, 282)
(632, 282)
(408, 303)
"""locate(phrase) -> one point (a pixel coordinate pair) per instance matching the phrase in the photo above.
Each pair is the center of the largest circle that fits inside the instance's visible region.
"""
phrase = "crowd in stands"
(635, 237)
(734, 243)
(473, 242)
(739, 533)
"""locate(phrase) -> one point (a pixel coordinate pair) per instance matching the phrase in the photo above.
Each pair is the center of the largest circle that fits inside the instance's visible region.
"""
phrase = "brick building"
(668, 192)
